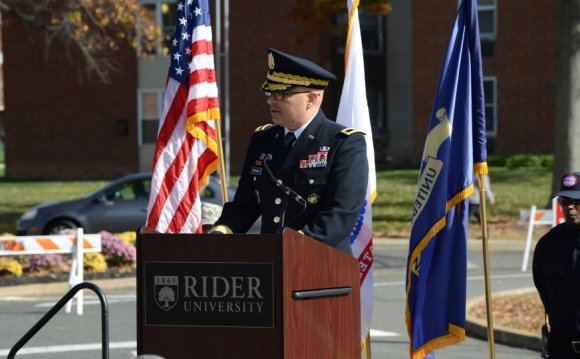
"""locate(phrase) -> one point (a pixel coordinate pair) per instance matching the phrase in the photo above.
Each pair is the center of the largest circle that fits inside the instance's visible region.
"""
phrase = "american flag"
(186, 150)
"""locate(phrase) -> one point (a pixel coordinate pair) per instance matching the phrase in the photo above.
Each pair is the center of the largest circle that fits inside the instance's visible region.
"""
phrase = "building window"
(371, 28)
(150, 104)
(490, 94)
(375, 101)
(155, 26)
(487, 16)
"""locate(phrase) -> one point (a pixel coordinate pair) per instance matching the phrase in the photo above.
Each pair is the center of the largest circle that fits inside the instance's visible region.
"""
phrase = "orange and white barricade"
(60, 244)
(539, 217)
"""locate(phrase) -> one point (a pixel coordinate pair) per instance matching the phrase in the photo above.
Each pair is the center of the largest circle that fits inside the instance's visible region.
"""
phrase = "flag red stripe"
(201, 105)
(202, 46)
(169, 179)
(171, 120)
(203, 75)
(205, 127)
(187, 201)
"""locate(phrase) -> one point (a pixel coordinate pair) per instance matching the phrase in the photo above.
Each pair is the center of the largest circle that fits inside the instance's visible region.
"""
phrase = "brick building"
(60, 127)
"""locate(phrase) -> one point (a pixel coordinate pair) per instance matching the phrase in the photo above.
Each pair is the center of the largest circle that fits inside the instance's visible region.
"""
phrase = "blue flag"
(455, 149)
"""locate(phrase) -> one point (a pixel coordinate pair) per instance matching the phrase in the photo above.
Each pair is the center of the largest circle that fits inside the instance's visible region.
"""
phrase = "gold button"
(311, 181)
(280, 181)
(278, 201)
(276, 219)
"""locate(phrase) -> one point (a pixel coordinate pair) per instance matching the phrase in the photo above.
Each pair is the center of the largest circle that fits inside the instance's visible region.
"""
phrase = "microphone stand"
(288, 191)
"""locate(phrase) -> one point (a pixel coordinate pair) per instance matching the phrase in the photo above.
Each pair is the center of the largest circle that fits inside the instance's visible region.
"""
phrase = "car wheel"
(56, 226)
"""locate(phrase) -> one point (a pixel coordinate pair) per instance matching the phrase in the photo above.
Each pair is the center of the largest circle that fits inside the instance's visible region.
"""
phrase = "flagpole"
(490, 338)
(222, 162)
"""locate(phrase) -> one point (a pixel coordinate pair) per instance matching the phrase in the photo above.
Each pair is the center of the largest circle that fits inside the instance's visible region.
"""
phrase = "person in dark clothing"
(556, 271)
(304, 171)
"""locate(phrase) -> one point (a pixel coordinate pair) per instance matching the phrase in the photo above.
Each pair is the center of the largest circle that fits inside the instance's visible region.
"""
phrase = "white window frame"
(493, 8)
(160, 92)
(493, 103)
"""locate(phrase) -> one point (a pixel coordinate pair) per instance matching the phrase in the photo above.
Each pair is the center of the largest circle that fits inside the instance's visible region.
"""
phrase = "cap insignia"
(570, 181)
(271, 61)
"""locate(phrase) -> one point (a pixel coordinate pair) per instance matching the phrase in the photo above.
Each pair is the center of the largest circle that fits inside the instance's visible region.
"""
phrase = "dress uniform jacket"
(327, 167)
(556, 270)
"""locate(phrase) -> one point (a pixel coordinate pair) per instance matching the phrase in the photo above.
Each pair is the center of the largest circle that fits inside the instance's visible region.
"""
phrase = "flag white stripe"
(202, 32)
(202, 90)
(202, 62)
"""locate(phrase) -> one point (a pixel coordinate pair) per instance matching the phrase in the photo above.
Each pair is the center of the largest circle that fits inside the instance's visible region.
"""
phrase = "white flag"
(353, 111)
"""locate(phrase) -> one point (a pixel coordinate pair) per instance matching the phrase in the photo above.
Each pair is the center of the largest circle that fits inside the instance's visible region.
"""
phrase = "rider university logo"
(166, 291)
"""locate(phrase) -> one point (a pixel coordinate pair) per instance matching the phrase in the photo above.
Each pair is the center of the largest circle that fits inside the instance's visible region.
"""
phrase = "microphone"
(287, 190)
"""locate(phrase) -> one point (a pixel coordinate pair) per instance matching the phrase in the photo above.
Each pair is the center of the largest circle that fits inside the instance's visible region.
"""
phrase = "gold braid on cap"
(295, 79)
(274, 87)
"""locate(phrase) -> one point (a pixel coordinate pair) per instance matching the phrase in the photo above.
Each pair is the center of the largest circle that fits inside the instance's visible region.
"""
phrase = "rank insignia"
(313, 198)
(324, 149)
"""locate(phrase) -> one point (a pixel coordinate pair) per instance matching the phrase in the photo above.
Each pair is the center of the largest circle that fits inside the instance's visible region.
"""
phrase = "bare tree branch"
(97, 29)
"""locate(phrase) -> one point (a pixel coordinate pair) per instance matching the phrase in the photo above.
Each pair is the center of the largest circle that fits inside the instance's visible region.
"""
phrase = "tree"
(567, 124)
(100, 28)
(166, 295)
(96, 28)
(316, 15)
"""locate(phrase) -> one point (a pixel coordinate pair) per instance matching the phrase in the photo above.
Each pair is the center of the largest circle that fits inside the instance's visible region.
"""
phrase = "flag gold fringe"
(456, 335)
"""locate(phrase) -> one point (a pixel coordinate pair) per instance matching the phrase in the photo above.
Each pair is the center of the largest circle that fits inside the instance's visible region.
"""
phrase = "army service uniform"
(327, 167)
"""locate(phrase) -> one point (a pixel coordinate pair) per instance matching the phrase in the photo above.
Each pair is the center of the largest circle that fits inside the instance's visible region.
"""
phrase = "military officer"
(304, 171)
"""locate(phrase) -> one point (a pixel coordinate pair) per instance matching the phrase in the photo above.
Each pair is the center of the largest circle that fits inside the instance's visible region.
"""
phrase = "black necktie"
(289, 140)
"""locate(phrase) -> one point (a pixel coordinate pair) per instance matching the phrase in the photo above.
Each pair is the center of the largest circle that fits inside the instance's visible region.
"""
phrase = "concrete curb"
(476, 327)
(60, 288)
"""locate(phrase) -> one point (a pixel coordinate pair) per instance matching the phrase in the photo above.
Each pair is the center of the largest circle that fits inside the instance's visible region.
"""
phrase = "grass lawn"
(18, 196)
(514, 189)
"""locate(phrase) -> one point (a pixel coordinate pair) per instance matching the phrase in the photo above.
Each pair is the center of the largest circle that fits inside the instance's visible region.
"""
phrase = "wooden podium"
(246, 296)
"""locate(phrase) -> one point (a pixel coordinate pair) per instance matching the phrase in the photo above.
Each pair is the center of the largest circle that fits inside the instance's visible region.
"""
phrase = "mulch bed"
(519, 311)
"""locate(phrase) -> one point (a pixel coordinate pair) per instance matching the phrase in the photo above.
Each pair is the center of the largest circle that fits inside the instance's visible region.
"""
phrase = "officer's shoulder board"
(262, 128)
(349, 131)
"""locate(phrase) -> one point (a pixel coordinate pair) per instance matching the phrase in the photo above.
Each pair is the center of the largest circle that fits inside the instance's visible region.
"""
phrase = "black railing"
(58, 306)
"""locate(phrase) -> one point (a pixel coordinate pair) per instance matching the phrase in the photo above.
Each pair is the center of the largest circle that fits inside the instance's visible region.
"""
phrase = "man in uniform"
(304, 171)
(556, 270)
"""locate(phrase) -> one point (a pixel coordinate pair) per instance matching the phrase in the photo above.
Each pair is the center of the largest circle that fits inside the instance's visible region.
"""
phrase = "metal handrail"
(58, 306)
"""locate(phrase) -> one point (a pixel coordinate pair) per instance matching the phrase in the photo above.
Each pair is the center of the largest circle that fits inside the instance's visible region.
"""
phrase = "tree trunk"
(567, 124)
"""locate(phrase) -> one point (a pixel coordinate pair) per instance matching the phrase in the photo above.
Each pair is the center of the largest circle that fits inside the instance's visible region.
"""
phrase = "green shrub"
(521, 160)
(10, 266)
(496, 160)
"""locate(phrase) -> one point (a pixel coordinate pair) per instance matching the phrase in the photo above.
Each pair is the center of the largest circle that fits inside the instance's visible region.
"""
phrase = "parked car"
(119, 206)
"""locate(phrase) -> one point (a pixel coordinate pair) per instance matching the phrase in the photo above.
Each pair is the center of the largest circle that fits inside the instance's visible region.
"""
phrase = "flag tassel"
(484, 241)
